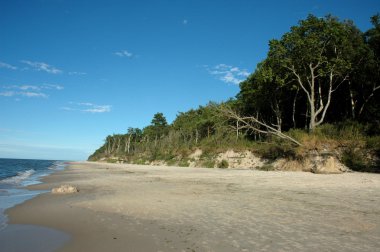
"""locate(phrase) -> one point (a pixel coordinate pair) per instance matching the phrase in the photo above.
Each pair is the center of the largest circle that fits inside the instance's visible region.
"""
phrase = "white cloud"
(35, 87)
(7, 66)
(124, 53)
(26, 87)
(85, 104)
(227, 73)
(77, 73)
(31, 91)
(33, 94)
(41, 66)
(98, 109)
(23, 93)
(67, 108)
(87, 107)
(52, 86)
(7, 93)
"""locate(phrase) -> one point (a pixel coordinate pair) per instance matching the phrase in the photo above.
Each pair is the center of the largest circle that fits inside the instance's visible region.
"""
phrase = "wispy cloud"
(41, 66)
(24, 93)
(98, 109)
(35, 87)
(7, 66)
(124, 53)
(33, 94)
(31, 91)
(77, 73)
(185, 21)
(227, 73)
(7, 93)
(87, 107)
(52, 86)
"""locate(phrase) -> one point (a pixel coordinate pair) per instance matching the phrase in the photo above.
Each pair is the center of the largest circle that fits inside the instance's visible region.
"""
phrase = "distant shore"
(124, 207)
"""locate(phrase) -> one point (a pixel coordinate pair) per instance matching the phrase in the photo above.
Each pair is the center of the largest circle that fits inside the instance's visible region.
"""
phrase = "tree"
(133, 135)
(159, 120)
(318, 54)
(371, 81)
(158, 128)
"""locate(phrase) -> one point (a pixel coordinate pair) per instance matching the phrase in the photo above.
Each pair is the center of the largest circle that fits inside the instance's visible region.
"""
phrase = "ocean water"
(15, 175)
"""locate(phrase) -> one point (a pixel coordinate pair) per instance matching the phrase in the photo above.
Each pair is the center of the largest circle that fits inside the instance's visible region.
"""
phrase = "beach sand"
(150, 208)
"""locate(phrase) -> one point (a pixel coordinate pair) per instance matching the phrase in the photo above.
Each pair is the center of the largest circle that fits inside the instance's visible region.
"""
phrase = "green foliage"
(183, 163)
(355, 160)
(158, 128)
(266, 167)
(208, 163)
(111, 160)
(171, 162)
(223, 164)
(159, 120)
(139, 161)
(373, 143)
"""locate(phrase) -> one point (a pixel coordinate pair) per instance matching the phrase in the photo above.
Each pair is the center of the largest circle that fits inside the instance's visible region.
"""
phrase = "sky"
(73, 72)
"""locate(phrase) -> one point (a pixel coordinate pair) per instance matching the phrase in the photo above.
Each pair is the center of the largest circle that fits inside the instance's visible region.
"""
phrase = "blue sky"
(73, 72)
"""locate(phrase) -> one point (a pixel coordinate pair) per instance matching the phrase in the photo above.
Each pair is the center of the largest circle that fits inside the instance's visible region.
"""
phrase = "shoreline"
(34, 237)
(14, 186)
(124, 207)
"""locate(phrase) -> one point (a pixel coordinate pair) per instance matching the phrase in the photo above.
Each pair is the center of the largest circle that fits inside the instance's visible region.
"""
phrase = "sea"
(15, 175)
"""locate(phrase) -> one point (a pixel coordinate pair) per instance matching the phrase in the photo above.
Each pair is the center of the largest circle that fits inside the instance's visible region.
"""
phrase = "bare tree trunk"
(277, 112)
(237, 130)
(257, 134)
(129, 144)
(196, 136)
(317, 104)
(118, 144)
(368, 98)
(353, 103)
(306, 117)
(294, 108)
(109, 146)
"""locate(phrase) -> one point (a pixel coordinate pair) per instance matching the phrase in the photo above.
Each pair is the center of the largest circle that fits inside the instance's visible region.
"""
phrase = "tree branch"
(300, 82)
(250, 122)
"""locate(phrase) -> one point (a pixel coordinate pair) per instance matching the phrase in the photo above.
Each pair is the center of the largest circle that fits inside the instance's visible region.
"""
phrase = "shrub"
(171, 162)
(111, 160)
(208, 164)
(183, 163)
(266, 167)
(354, 159)
(223, 164)
(139, 161)
(373, 143)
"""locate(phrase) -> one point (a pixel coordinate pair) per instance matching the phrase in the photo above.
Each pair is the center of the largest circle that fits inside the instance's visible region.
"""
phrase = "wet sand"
(31, 238)
(150, 208)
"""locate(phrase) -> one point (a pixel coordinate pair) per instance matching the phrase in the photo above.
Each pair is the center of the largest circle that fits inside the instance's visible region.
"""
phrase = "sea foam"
(21, 176)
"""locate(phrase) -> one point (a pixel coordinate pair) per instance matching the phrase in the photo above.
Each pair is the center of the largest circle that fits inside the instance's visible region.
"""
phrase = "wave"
(21, 176)
(57, 165)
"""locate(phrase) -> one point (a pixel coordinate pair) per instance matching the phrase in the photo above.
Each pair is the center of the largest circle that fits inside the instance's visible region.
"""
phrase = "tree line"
(323, 71)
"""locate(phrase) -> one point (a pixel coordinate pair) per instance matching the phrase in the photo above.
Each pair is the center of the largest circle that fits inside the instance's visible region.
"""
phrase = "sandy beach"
(150, 208)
